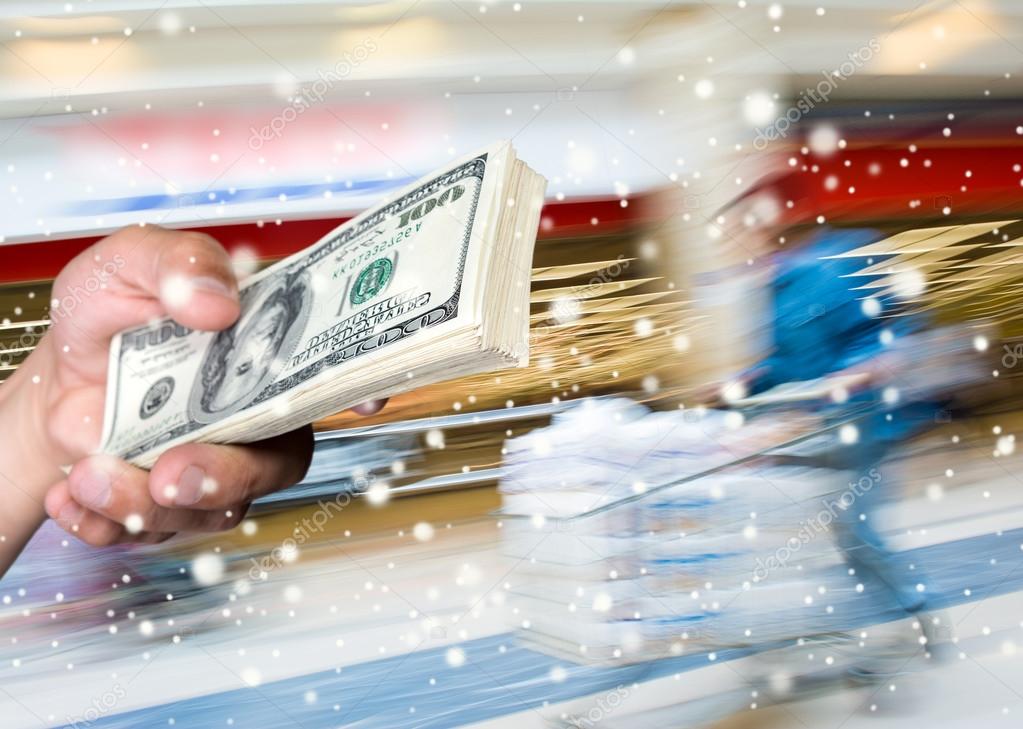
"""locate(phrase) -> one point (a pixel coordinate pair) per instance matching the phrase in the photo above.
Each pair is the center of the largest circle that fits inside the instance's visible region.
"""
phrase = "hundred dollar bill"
(431, 284)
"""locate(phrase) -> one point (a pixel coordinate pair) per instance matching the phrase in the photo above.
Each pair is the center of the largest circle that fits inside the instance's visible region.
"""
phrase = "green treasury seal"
(371, 280)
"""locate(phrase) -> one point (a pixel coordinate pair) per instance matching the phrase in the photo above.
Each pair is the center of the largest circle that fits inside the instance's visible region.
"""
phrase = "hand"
(57, 399)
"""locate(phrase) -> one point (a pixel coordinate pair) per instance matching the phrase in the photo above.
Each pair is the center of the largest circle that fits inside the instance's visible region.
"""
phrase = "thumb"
(189, 273)
(139, 274)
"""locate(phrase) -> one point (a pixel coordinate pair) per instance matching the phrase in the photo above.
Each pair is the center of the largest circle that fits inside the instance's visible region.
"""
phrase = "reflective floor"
(368, 622)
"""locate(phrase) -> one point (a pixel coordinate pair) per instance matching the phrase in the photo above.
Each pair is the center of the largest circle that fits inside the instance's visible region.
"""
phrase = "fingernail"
(190, 486)
(70, 515)
(214, 286)
(93, 489)
(370, 407)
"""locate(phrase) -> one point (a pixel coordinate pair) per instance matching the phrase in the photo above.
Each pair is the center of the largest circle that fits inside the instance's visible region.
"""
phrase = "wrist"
(27, 453)
(29, 464)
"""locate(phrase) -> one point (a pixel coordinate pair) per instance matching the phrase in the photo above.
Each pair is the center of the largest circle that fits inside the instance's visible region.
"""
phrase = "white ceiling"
(113, 101)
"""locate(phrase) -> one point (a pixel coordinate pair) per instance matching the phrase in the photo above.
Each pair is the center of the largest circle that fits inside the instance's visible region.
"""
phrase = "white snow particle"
(848, 434)
(378, 494)
(252, 676)
(455, 657)
(208, 568)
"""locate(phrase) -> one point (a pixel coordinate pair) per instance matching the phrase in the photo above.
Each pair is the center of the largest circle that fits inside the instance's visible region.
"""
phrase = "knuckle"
(133, 241)
(128, 501)
(251, 484)
(192, 243)
(191, 253)
(128, 233)
(97, 537)
(242, 471)
(152, 516)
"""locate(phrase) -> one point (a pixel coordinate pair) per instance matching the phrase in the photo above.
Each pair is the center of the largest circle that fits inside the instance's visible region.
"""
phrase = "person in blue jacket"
(822, 327)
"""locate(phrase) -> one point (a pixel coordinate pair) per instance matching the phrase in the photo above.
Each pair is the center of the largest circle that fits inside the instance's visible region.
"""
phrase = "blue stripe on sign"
(396, 692)
(109, 206)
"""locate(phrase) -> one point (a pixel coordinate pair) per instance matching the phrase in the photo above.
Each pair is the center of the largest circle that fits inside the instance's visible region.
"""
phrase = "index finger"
(207, 476)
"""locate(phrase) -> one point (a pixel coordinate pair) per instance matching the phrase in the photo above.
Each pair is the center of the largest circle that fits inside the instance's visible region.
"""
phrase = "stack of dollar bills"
(430, 285)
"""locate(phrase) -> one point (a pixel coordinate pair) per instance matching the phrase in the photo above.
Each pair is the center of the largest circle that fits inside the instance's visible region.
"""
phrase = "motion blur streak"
(761, 469)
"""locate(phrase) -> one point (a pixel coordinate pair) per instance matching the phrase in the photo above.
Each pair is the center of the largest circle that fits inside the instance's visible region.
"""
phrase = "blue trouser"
(863, 547)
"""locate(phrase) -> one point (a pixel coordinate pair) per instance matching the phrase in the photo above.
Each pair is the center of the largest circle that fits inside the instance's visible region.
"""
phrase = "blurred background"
(618, 535)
